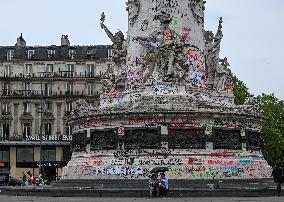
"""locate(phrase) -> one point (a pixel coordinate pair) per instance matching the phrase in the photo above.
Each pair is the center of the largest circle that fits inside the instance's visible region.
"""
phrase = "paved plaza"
(75, 199)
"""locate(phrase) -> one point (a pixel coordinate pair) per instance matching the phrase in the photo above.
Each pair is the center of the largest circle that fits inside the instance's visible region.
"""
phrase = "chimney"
(21, 41)
(65, 40)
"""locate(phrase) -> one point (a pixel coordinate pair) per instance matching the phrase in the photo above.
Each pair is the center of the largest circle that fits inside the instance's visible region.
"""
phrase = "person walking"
(164, 185)
(278, 175)
(6, 180)
(24, 179)
(29, 178)
(154, 185)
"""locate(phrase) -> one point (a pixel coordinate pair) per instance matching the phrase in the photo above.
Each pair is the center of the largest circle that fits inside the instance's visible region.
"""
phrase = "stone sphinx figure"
(212, 51)
(223, 77)
(119, 48)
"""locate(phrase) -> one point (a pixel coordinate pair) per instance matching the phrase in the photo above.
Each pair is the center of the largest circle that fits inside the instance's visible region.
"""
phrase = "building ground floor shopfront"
(19, 158)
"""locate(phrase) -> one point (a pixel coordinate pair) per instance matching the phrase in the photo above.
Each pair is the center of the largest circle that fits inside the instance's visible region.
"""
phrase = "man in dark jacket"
(6, 180)
(278, 176)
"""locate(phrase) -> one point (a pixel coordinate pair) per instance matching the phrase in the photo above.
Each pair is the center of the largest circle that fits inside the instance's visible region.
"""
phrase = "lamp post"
(41, 111)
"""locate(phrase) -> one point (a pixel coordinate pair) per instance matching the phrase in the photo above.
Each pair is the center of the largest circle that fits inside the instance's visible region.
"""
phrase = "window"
(71, 54)
(109, 53)
(31, 54)
(10, 54)
(27, 107)
(49, 69)
(90, 70)
(27, 130)
(7, 71)
(48, 89)
(47, 129)
(6, 131)
(28, 69)
(4, 154)
(68, 130)
(69, 88)
(90, 88)
(25, 154)
(70, 70)
(7, 89)
(68, 107)
(48, 108)
(48, 153)
(27, 89)
(6, 108)
(50, 53)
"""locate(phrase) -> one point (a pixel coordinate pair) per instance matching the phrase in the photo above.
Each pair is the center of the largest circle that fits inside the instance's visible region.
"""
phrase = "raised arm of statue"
(109, 34)
(219, 34)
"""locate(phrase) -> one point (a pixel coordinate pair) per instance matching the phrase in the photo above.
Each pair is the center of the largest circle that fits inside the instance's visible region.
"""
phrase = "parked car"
(12, 181)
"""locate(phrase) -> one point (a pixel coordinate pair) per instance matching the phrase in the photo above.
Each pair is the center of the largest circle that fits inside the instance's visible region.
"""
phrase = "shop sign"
(49, 138)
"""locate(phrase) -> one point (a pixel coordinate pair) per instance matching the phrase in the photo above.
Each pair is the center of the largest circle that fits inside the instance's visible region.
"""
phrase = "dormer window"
(51, 53)
(71, 54)
(10, 54)
(31, 54)
(109, 54)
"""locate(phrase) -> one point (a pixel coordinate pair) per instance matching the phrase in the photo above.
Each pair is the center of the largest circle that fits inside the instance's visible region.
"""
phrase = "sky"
(253, 31)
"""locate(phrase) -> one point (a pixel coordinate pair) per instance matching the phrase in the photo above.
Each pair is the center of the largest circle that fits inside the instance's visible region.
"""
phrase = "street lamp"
(41, 111)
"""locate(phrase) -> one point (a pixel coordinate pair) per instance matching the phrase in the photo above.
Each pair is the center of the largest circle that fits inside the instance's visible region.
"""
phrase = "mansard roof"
(61, 52)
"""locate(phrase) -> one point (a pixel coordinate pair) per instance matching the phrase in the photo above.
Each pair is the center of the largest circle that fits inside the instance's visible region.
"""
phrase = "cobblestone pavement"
(74, 199)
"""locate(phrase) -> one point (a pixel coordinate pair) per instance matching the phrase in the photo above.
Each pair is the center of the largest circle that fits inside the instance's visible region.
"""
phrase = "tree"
(241, 91)
(273, 130)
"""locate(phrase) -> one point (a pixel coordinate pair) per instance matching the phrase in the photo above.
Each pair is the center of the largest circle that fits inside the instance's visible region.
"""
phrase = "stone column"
(16, 119)
(37, 119)
(1, 134)
(58, 118)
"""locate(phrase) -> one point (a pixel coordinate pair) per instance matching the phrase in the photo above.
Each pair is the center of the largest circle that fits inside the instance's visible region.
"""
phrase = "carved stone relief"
(133, 8)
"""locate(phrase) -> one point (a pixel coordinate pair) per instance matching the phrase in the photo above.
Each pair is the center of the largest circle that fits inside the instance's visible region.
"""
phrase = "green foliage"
(273, 130)
(241, 91)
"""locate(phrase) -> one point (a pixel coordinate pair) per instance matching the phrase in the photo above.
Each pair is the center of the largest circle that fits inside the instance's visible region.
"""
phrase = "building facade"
(38, 86)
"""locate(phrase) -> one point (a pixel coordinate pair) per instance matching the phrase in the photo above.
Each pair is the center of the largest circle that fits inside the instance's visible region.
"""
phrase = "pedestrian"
(278, 175)
(6, 180)
(164, 185)
(29, 178)
(24, 179)
(33, 179)
(154, 185)
(40, 180)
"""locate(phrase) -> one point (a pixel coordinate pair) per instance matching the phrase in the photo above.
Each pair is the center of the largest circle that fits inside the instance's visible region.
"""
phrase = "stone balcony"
(54, 94)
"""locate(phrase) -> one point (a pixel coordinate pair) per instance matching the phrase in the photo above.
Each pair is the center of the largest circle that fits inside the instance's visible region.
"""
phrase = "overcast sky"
(253, 31)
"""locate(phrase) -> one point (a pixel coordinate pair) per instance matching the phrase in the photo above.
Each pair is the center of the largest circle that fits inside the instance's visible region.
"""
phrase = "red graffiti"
(193, 54)
(95, 122)
(186, 31)
(223, 154)
(143, 121)
(168, 35)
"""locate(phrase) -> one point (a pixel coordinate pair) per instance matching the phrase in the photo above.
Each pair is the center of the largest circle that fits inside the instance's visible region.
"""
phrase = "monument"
(167, 102)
